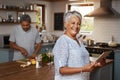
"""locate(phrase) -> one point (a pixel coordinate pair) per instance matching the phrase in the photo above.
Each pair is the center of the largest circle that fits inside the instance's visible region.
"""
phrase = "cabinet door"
(11, 54)
(103, 73)
(4, 56)
(117, 65)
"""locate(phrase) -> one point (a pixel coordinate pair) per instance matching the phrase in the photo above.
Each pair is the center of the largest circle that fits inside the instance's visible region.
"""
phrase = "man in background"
(25, 39)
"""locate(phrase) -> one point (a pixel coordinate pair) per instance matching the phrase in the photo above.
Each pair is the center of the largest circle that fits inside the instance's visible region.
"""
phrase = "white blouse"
(67, 52)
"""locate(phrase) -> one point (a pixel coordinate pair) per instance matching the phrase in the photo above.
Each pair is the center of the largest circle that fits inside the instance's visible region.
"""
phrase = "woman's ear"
(65, 25)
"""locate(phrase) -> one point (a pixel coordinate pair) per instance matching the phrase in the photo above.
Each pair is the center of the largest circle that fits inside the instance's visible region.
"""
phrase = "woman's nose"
(76, 25)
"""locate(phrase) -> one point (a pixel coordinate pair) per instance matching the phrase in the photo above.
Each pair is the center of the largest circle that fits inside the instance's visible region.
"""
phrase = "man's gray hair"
(72, 13)
(25, 17)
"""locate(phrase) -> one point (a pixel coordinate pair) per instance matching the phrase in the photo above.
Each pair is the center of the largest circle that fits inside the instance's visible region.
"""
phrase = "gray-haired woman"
(70, 56)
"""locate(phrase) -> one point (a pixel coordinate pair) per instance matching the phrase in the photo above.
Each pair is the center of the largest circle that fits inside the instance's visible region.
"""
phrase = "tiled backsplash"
(105, 28)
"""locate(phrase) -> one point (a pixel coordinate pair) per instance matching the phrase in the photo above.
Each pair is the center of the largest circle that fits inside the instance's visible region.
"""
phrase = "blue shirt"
(67, 52)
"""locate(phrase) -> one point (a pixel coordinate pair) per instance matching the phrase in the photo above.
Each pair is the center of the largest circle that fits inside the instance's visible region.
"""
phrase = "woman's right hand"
(89, 67)
(23, 51)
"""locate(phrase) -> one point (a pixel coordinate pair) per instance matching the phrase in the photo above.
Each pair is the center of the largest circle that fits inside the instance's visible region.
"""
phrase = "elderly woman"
(70, 56)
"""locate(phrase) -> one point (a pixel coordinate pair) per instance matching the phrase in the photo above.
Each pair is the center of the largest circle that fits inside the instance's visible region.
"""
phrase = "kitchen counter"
(97, 50)
(13, 71)
(107, 48)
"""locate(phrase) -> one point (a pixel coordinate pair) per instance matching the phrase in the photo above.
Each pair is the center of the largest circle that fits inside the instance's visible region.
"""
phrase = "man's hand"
(35, 53)
(16, 47)
(23, 51)
(32, 56)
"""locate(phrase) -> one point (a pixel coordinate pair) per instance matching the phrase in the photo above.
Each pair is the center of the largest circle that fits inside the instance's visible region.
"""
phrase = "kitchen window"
(87, 22)
(40, 15)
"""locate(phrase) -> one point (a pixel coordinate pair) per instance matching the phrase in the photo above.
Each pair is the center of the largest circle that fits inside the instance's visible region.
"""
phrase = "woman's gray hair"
(72, 13)
(25, 17)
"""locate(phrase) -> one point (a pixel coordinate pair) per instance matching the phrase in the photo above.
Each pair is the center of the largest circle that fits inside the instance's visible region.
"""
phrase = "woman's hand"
(100, 64)
(89, 67)
(23, 51)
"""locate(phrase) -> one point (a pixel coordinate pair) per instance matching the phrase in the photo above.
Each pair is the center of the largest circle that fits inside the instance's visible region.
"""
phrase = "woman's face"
(73, 26)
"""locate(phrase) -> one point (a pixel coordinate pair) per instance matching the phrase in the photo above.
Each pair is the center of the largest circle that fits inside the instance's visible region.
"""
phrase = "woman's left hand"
(100, 64)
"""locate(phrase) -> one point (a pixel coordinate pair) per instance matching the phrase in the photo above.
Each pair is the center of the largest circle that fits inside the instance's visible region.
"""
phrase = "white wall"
(104, 28)
(56, 8)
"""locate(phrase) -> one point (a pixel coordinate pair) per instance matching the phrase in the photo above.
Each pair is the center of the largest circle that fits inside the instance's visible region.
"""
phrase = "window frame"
(43, 12)
(80, 4)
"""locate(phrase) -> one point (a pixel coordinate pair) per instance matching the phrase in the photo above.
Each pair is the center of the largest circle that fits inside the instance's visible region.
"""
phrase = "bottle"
(37, 63)
(31, 7)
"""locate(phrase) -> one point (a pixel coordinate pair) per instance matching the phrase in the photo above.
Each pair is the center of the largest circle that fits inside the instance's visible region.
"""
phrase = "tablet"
(103, 55)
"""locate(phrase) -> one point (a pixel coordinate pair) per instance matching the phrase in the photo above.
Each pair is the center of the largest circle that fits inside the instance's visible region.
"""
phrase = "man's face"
(25, 25)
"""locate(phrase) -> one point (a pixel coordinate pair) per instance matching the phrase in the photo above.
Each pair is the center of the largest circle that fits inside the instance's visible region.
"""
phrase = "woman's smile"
(73, 26)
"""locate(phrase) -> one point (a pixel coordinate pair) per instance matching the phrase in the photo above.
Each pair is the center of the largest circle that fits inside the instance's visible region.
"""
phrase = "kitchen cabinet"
(13, 15)
(117, 65)
(6, 55)
(103, 73)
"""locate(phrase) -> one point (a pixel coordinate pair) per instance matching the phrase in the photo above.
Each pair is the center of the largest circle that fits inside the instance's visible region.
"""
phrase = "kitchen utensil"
(112, 43)
(90, 42)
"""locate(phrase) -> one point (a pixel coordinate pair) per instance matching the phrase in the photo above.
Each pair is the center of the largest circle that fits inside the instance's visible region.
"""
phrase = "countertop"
(109, 48)
(13, 71)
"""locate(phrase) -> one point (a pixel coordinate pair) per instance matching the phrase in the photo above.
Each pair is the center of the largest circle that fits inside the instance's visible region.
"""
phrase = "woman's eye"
(76, 23)
(73, 23)
(79, 24)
